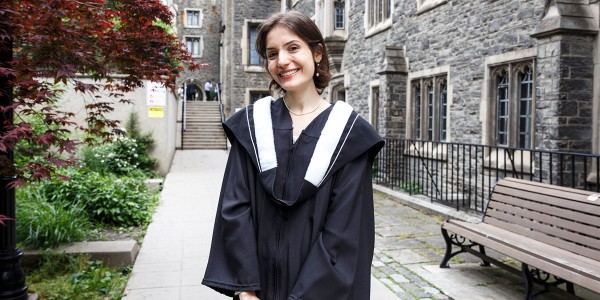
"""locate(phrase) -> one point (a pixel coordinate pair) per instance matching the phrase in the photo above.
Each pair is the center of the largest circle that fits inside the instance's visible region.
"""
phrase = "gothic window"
(251, 60)
(525, 108)
(430, 97)
(443, 106)
(514, 85)
(338, 93)
(254, 57)
(430, 108)
(193, 44)
(340, 14)
(502, 113)
(193, 18)
(417, 110)
(378, 11)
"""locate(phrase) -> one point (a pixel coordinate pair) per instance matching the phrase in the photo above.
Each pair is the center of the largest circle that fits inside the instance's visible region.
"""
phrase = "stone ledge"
(112, 253)
(427, 206)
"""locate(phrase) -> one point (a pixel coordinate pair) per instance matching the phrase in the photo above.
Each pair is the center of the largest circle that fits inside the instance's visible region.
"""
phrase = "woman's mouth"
(288, 73)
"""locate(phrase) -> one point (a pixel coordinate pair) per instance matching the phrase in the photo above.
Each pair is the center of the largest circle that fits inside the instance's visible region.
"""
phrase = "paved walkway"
(408, 244)
(171, 262)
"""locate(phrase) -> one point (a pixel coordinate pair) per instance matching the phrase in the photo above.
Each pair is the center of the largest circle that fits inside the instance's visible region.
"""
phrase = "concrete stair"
(203, 126)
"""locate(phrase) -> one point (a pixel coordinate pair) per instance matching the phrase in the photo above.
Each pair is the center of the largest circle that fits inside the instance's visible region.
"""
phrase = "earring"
(318, 64)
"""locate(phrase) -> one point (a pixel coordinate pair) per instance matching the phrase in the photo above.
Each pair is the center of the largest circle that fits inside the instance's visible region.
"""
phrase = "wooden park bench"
(553, 231)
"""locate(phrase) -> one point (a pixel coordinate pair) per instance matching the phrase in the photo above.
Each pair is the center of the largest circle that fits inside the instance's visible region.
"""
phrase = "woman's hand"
(248, 296)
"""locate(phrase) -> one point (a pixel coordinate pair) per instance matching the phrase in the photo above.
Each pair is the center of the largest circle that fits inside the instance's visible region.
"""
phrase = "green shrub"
(74, 277)
(48, 224)
(109, 199)
(121, 157)
(125, 154)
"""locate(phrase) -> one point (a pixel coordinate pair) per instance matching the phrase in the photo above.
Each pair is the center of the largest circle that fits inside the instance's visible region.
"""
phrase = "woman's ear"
(318, 53)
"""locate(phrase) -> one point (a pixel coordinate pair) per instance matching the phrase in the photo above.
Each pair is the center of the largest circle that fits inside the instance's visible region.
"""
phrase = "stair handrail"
(218, 92)
(183, 113)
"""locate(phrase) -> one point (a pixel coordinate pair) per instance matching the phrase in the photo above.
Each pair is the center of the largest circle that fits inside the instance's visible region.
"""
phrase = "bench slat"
(548, 209)
(556, 200)
(550, 190)
(554, 222)
(549, 233)
(559, 243)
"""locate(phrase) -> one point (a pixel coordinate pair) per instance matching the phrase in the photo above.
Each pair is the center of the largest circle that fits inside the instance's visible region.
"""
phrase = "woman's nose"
(283, 59)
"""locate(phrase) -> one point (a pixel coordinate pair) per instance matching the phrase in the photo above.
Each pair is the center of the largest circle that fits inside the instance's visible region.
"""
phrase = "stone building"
(514, 73)
(507, 73)
(244, 79)
(199, 24)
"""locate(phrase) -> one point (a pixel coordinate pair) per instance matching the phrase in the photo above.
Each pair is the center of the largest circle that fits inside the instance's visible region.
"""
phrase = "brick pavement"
(405, 236)
(409, 246)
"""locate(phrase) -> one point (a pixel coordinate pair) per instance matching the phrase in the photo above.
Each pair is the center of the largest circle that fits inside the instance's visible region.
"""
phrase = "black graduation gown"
(280, 229)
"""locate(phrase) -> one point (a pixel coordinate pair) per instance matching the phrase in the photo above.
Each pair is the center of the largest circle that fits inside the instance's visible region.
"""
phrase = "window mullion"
(513, 104)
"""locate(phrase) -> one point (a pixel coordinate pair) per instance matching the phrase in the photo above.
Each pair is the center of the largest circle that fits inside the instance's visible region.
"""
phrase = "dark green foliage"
(64, 277)
(48, 224)
(107, 198)
(125, 154)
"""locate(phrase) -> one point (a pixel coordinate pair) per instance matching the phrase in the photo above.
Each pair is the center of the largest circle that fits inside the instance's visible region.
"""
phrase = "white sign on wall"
(156, 94)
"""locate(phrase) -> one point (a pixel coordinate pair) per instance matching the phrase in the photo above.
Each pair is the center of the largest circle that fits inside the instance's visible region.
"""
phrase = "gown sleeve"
(233, 260)
(339, 262)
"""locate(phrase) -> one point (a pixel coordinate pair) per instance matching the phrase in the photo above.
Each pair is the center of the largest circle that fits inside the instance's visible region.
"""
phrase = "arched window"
(513, 101)
(378, 11)
(430, 103)
(339, 14)
(417, 111)
(502, 103)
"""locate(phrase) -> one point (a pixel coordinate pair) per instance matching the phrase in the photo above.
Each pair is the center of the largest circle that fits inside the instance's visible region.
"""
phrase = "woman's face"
(291, 63)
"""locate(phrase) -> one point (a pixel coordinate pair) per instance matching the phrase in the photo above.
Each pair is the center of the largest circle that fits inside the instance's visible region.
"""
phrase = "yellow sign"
(156, 112)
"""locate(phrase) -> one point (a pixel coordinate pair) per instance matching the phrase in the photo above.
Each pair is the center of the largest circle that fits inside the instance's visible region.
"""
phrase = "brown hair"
(307, 30)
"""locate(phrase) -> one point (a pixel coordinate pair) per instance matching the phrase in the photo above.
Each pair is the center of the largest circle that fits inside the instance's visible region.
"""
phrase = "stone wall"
(459, 37)
(456, 34)
(210, 33)
(564, 111)
(237, 80)
(305, 6)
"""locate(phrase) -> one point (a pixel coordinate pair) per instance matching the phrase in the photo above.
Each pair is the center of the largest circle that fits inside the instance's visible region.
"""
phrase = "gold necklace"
(301, 114)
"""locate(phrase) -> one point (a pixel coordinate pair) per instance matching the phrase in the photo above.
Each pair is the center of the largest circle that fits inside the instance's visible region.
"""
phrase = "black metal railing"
(463, 175)
(221, 110)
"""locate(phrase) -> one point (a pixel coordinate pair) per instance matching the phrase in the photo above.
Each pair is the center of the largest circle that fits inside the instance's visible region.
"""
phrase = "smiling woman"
(295, 218)
(301, 30)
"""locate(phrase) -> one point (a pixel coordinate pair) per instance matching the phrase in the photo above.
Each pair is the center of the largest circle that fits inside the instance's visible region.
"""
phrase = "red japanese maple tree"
(116, 43)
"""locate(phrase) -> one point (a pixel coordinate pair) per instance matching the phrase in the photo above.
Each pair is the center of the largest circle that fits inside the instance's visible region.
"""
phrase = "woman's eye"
(271, 55)
(294, 48)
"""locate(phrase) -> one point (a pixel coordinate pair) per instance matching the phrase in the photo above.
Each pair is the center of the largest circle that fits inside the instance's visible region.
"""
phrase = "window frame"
(429, 103)
(500, 158)
(375, 20)
(247, 47)
(339, 5)
(513, 88)
(200, 18)
(253, 28)
(200, 45)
